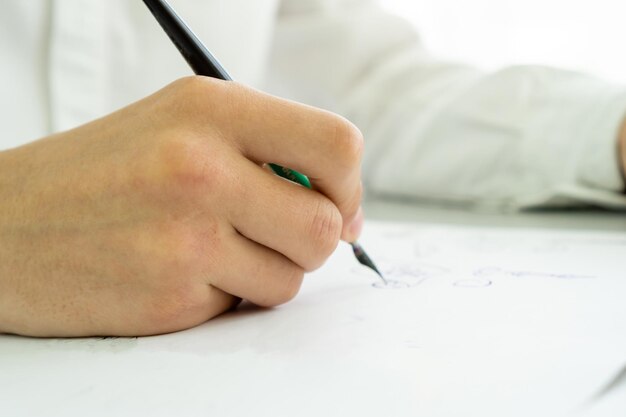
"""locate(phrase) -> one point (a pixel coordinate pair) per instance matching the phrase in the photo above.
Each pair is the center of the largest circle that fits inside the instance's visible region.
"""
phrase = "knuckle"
(184, 93)
(209, 96)
(192, 86)
(324, 230)
(174, 294)
(173, 303)
(348, 143)
(192, 83)
(354, 203)
(187, 166)
(195, 98)
(291, 282)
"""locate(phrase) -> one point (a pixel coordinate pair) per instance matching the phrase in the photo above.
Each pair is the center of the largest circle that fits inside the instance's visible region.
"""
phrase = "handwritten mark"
(490, 272)
(473, 283)
(402, 276)
(394, 285)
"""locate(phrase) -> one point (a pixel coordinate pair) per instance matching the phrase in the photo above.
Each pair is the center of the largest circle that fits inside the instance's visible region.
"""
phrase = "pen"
(202, 62)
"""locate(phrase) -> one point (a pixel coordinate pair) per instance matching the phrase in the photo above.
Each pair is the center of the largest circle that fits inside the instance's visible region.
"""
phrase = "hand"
(160, 216)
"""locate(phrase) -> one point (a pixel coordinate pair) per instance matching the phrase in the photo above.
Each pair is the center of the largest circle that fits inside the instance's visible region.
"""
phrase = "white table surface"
(88, 377)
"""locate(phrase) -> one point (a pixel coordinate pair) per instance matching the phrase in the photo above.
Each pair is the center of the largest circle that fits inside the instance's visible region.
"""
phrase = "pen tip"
(365, 260)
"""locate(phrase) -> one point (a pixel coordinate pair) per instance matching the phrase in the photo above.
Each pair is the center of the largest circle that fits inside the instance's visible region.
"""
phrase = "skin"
(160, 216)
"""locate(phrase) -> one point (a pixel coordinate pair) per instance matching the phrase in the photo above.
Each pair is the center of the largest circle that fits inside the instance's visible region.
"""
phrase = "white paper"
(485, 322)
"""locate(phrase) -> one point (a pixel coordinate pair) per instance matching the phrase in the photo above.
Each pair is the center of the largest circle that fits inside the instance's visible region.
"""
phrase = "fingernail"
(356, 226)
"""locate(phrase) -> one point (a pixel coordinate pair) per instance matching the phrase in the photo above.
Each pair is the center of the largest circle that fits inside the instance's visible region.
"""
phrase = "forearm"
(622, 151)
(516, 138)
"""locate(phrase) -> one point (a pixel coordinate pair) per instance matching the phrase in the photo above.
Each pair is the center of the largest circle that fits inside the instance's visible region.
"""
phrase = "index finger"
(325, 147)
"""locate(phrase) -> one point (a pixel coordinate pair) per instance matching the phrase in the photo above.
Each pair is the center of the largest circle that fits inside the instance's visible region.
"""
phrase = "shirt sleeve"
(435, 130)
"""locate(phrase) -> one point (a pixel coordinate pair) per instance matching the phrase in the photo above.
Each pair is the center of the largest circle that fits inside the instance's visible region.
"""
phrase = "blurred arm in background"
(517, 138)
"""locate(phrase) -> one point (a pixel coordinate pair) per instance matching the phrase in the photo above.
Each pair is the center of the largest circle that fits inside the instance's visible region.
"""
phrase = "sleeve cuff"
(599, 166)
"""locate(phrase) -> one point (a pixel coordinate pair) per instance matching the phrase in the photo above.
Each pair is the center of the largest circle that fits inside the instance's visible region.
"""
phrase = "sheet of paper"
(477, 322)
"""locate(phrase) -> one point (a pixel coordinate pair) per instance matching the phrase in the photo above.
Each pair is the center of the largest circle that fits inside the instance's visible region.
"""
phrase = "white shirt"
(434, 130)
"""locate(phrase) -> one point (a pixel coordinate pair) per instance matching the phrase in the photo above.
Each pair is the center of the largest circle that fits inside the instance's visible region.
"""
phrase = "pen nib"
(363, 259)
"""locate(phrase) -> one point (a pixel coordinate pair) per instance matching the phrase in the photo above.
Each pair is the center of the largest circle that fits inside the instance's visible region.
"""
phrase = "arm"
(519, 137)
(622, 151)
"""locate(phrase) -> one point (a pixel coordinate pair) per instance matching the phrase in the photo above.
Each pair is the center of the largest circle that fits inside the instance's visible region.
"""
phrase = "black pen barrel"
(201, 61)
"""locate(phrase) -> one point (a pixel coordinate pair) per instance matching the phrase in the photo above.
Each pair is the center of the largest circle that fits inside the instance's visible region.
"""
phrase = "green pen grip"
(291, 175)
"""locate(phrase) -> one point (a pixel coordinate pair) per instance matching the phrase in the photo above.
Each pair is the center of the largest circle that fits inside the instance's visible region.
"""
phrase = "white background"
(586, 35)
